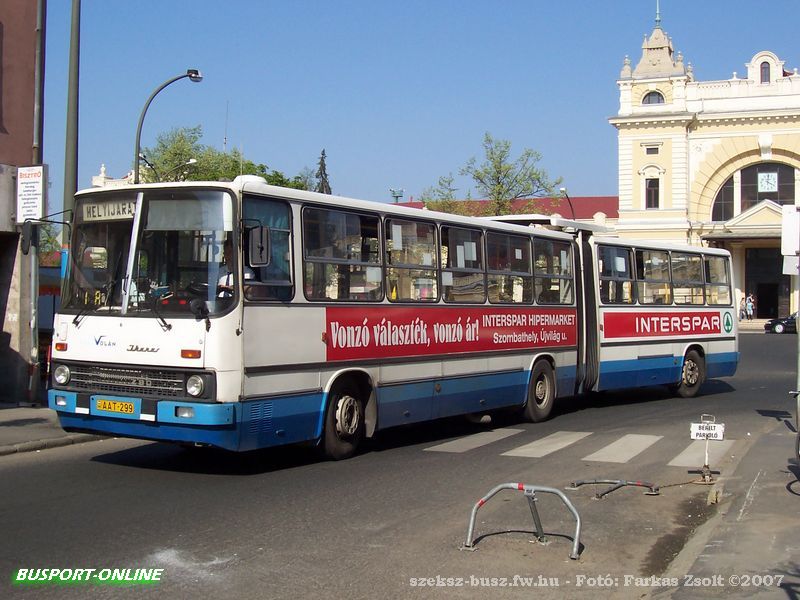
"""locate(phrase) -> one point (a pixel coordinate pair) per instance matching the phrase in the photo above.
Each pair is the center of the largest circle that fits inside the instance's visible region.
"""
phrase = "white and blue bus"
(242, 316)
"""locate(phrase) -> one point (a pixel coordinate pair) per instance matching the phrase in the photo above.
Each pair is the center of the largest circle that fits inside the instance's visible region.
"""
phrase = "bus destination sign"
(114, 210)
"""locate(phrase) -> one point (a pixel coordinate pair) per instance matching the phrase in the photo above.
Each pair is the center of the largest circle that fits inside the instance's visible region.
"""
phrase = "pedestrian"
(742, 312)
(749, 305)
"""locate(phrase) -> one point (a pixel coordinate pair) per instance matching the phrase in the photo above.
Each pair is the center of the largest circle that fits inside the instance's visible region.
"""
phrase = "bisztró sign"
(31, 187)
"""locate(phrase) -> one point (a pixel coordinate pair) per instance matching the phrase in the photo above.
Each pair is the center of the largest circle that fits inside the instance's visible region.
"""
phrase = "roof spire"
(658, 16)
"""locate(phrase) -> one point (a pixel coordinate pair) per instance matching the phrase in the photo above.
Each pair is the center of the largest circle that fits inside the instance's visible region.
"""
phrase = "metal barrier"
(530, 493)
(615, 485)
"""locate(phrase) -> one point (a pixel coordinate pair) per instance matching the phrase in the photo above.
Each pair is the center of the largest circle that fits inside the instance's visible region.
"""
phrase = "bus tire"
(344, 421)
(693, 374)
(541, 392)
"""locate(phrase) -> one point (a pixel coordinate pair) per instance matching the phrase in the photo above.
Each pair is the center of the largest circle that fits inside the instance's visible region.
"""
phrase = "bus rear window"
(718, 282)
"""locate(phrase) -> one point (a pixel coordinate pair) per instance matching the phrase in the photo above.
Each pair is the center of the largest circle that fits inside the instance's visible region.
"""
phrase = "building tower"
(710, 162)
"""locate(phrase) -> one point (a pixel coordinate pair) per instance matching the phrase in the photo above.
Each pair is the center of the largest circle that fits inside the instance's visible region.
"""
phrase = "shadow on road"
(212, 461)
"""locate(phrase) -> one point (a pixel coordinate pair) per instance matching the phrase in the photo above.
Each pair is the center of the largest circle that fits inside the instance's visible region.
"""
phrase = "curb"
(36, 445)
(693, 549)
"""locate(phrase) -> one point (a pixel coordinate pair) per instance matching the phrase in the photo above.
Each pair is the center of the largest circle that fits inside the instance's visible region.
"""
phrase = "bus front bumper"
(165, 420)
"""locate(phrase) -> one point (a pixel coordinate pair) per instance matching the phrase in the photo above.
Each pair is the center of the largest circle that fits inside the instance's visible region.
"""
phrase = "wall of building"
(17, 80)
(705, 134)
(20, 145)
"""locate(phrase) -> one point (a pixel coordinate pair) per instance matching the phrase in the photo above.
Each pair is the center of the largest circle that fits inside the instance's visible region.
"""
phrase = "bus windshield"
(179, 253)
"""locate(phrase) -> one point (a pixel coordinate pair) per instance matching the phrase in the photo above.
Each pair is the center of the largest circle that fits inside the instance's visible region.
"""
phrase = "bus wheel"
(541, 392)
(693, 375)
(344, 422)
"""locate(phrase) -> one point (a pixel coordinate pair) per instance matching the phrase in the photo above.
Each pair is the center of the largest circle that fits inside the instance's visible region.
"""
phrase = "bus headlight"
(61, 374)
(195, 386)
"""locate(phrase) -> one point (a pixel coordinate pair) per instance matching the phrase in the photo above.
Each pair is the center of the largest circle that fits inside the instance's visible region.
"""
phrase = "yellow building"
(710, 162)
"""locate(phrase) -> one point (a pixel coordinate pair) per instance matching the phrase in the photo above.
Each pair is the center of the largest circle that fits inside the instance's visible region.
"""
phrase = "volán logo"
(104, 341)
(137, 348)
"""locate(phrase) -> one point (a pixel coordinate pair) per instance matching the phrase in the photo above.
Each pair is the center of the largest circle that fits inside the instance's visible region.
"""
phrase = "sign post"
(707, 429)
(790, 248)
(31, 200)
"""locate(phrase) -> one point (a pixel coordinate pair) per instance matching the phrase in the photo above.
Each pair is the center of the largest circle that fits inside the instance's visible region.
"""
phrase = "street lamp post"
(195, 76)
(188, 163)
(569, 201)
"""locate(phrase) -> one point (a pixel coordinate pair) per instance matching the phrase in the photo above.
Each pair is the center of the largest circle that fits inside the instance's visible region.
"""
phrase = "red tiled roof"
(585, 206)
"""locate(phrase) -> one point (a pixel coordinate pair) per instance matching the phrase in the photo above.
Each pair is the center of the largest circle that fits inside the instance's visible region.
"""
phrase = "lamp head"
(563, 190)
(194, 75)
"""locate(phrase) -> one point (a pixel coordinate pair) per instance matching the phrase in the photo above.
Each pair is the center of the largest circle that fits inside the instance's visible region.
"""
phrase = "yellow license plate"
(116, 406)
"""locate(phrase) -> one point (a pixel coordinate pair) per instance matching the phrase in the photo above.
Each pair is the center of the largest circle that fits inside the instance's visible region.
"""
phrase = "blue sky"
(398, 93)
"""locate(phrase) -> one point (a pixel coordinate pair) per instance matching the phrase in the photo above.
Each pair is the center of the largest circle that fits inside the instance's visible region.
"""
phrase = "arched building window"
(723, 204)
(765, 72)
(764, 181)
(653, 98)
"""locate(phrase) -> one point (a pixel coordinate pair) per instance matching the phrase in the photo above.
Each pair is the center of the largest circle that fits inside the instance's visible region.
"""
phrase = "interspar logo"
(655, 324)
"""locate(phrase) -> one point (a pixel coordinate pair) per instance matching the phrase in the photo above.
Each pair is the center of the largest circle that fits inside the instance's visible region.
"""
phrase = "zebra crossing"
(622, 450)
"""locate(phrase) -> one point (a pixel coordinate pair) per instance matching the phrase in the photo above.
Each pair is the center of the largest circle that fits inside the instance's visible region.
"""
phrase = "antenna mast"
(225, 135)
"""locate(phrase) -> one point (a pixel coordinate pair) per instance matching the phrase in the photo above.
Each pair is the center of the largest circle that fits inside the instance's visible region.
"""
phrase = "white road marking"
(548, 445)
(694, 455)
(624, 449)
(471, 442)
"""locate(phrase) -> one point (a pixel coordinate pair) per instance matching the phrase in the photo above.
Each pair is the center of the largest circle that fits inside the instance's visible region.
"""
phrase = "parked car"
(784, 325)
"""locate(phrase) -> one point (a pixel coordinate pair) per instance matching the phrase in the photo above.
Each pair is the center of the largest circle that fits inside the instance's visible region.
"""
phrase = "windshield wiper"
(200, 310)
(82, 313)
(106, 289)
(161, 321)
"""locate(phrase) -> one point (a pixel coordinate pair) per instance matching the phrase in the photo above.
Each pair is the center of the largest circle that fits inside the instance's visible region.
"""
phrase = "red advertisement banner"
(383, 332)
(631, 324)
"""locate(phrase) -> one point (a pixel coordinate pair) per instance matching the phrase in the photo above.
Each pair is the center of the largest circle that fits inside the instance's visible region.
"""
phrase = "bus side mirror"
(27, 236)
(259, 247)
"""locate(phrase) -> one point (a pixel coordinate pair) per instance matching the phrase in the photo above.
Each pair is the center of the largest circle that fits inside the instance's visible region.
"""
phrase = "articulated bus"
(242, 316)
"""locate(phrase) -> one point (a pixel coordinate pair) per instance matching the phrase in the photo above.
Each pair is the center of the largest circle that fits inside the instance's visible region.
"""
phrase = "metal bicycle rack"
(615, 485)
(530, 492)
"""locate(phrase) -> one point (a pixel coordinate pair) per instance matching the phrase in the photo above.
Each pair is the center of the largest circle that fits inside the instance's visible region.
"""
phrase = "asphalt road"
(280, 524)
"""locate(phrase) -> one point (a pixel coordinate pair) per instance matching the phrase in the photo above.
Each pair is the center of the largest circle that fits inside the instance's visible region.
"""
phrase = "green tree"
(502, 179)
(442, 197)
(323, 185)
(49, 238)
(173, 149)
(179, 155)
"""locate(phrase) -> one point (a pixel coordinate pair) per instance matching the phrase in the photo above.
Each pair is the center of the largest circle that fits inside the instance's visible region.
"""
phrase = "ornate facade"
(710, 162)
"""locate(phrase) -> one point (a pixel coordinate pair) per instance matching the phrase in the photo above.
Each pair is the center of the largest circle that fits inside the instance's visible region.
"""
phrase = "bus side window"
(687, 278)
(509, 268)
(274, 281)
(410, 261)
(463, 275)
(553, 274)
(652, 277)
(341, 256)
(616, 275)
